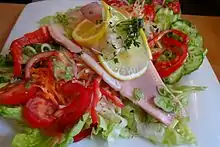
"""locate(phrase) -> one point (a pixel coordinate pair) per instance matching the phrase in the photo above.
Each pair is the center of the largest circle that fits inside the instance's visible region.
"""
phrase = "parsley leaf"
(130, 30)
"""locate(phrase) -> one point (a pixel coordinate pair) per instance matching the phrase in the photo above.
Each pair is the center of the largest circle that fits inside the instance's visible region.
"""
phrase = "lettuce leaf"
(166, 102)
(74, 131)
(132, 113)
(6, 68)
(180, 134)
(158, 133)
(31, 138)
(112, 125)
(46, 20)
(11, 112)
(165, 17)
(144, 125)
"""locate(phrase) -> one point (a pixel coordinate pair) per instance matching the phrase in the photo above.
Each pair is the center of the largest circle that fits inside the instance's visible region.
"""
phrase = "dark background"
(195, 7)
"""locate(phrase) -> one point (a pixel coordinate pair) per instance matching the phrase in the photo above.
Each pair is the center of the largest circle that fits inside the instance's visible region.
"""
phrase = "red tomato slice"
(17, 93)
(80, 102)
(70, 88)
(38, 112)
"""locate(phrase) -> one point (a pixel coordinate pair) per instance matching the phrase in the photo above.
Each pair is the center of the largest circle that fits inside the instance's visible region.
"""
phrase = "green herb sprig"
(131, 31)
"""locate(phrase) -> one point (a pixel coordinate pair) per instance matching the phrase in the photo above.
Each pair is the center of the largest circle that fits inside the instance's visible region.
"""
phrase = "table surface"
(207, 26)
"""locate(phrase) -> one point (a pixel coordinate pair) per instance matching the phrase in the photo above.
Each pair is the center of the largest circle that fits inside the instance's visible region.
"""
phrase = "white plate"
(204, 107)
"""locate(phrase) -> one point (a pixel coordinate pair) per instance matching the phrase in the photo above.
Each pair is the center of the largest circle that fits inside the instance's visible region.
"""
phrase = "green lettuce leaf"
(180, 134)
(31, 138)
(11, 112)
(2, 84)
(112, 124)
(158, 133)
(6, 68)
(166, 102)
(46, 20)
(102, 126)
(165, 17)
(153, 132)
(74, 131)
(133, 113)
(6, 61)
(144, 125)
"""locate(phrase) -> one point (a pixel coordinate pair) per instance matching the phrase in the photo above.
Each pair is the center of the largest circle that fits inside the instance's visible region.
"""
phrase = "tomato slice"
(70, 88)
(17, 93)
(80, 103)
(38, 112)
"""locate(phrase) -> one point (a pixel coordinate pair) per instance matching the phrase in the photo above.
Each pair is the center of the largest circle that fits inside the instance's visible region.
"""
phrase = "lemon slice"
(128, 64)
(87, 33)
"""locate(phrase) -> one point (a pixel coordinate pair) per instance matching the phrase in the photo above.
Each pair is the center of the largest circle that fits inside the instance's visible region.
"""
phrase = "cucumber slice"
(194, 59)
(192, 63)
(174, 77)
(196, 41)
(195, 46)
(165, 17)
(188, 28)
(185, 26)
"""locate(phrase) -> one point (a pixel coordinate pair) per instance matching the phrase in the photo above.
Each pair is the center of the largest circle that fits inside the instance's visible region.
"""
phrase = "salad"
(108, 69)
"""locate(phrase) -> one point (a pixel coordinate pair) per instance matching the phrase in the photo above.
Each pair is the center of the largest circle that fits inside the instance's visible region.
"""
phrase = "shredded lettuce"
(112, 124)
(6, 61)
(3, 84)
(165, 103)
(68, 139)
(46, 20)
(6, 68)
(168, 104)
(11, 112)
(144, 125)
(180, 134)
(31, 138)
(59, 18)
(61, 71)
(165, 17)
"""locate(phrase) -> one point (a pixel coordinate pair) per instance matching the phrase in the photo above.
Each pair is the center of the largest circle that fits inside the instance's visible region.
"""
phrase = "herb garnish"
(61, 18)
(131, 31)
(116, 60)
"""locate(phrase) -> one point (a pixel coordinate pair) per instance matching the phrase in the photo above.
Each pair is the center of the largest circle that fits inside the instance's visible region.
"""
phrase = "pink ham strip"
(148, 82)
